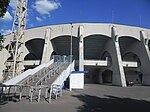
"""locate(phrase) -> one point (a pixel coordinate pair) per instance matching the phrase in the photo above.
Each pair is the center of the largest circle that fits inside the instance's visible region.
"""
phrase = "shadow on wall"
(111, 104)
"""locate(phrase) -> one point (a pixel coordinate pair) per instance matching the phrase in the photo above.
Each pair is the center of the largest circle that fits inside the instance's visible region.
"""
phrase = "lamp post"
(71, 44)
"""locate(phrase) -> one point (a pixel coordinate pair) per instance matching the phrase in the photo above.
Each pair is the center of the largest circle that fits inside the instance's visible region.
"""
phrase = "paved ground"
(94, 98)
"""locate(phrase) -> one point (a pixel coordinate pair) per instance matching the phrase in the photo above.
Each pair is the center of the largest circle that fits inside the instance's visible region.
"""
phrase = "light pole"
(71, 44)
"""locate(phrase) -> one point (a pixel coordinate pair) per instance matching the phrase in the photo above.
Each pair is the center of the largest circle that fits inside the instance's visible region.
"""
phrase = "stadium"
(111, 53)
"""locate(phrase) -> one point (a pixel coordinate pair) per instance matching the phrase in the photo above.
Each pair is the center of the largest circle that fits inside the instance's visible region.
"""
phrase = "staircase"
(41, 83)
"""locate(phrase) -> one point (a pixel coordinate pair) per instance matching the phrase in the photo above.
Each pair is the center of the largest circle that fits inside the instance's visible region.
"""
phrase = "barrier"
(56, 87)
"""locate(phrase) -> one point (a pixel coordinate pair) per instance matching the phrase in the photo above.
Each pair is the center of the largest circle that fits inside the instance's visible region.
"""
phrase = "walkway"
(94, 98)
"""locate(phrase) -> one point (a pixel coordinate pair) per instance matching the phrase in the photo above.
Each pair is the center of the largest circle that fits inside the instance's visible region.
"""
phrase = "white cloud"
(7, 17)
(39, 19)
(12, 4)
(5, 32)
(44, 7)
(29, 12)
(31, 25)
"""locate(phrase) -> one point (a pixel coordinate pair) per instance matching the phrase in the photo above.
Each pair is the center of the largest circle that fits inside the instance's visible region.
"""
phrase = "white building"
(111, 53)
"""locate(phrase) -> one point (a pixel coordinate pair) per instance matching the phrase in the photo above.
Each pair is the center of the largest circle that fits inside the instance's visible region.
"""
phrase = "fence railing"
(57, 85)
(58, 69)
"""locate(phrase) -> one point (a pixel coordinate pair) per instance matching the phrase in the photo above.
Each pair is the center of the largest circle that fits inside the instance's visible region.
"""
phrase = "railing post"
(50, 95)
(39, 95)
(46, 91)
(31, 93)
(20, 94)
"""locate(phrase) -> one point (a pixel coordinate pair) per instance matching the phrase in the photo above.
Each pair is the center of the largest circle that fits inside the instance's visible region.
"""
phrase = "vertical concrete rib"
(100, 77)
(81, 49)
(48, 49)
(145, 58)
(118, 71)
(145, 42)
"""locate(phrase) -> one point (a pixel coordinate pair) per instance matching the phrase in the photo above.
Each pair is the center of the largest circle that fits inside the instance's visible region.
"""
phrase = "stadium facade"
(111, 53)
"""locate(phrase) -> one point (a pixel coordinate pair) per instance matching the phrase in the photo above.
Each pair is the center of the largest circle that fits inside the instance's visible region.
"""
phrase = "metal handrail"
(48, 74)
(56, 89)
(31, 77)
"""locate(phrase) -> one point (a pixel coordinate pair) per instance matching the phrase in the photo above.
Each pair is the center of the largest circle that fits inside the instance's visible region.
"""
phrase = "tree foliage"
(3, 7)
(1, 41)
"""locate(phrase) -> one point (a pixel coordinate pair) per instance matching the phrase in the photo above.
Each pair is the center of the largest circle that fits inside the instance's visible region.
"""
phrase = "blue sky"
(46, 12)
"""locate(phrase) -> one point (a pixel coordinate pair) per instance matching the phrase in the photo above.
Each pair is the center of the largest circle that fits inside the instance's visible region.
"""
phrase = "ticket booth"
(77, 80)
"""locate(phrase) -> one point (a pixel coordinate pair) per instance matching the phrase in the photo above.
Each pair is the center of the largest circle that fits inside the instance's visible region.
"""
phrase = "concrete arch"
(106, 56)
(131, 56)
(126, 42)
(130, 31)
(62, 45)
(107, 76)
(96, 34)
(94, 45)
(33, 38)
(130, 36)
(131, 53)
(31, 56)
(139, 49)
(35, 47)
(61, 35)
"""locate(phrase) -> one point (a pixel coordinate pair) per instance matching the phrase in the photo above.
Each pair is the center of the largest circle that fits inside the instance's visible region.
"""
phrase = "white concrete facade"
(118, 53)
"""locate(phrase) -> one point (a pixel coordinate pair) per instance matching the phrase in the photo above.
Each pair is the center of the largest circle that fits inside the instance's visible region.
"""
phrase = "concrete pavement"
(94, 98)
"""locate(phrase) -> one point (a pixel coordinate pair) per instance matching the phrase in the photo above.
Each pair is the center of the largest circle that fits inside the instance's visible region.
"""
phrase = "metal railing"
(48, 75)
(57, 85)
(43, 78)
(52, 72)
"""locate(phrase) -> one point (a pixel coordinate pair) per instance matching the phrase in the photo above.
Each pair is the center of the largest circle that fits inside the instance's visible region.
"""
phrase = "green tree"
(3, 7)
(1, 41)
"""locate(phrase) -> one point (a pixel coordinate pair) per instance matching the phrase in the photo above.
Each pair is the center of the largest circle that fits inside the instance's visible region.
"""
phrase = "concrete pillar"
(140, 48)
(81, 49)
(23, 52)
(117, 66)
(100, 77)
(145, 58)
(48, 49)
(145, 41)
(3, 57)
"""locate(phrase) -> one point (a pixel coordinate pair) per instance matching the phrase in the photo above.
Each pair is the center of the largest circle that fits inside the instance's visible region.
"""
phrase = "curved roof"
(89, 29)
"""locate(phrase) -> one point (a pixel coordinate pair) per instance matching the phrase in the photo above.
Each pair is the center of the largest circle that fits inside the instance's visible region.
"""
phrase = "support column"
(21, 50)
(3, 57)
(81, 49)
(145, 41)
(48, 49)
(100, 77)
(118, 71)
(145, 58)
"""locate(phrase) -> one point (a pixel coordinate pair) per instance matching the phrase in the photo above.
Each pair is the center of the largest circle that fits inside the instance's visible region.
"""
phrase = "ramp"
(42, 78)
